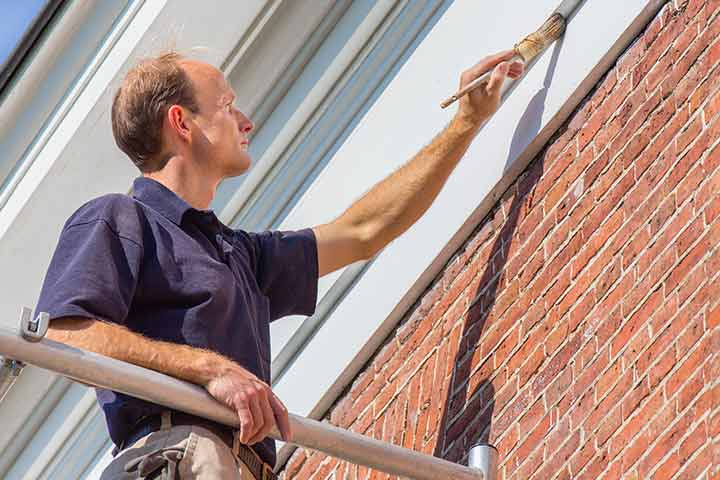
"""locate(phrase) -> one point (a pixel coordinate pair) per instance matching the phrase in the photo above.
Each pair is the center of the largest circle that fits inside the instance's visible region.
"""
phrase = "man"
(156, 280)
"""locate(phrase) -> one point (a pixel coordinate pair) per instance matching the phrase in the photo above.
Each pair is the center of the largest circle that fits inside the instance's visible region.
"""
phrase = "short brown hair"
(140, 104)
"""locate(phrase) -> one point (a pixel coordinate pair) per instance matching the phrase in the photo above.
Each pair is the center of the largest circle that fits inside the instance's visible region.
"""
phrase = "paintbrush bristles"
(529, 47)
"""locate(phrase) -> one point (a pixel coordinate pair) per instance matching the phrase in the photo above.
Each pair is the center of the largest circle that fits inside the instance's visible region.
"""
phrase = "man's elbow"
(369, 242)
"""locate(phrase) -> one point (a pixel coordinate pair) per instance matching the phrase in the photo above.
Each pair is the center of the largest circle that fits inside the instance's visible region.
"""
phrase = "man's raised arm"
(398, 201)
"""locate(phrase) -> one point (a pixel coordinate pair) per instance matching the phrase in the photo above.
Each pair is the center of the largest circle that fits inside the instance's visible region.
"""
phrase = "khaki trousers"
(180, 452)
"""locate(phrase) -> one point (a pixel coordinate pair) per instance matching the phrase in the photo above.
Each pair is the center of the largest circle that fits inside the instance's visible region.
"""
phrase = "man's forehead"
(206, 76)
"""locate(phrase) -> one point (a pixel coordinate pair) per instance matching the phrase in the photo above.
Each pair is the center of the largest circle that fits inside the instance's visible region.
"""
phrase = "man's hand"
(258, 409)
(480, 103)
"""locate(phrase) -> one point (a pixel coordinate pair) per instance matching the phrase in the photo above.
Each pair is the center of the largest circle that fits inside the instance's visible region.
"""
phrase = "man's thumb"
(497, 78)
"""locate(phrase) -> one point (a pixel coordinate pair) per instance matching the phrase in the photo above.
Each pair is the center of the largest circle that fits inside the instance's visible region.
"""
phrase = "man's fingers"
(268, 419)
(497, 78)
(488, 63)
(246, 422)
(281, 418)
(516, 69)
(258, 418)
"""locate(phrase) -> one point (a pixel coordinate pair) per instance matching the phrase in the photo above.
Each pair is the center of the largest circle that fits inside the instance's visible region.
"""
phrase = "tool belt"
(147, 425)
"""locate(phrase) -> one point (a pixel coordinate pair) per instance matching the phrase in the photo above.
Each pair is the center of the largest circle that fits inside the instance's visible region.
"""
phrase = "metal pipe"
(484, 457)
(100, 371)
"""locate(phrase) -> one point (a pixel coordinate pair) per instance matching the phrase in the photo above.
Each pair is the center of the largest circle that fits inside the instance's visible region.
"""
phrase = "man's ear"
(178, 120)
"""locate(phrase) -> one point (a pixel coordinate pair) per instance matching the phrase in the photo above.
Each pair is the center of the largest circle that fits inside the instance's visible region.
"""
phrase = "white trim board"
(399, 124)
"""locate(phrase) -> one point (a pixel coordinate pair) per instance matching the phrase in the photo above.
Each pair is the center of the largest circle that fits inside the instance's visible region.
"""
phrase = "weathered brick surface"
(578, 328)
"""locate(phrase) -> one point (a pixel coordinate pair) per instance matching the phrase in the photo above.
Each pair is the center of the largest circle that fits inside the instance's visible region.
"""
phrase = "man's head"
(172, 106)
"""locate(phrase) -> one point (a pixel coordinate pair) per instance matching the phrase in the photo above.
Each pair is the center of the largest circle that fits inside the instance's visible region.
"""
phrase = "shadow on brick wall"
(470, 404)
(467, 417)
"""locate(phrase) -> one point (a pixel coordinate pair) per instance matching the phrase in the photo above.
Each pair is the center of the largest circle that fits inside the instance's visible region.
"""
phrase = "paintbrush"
(525, 51)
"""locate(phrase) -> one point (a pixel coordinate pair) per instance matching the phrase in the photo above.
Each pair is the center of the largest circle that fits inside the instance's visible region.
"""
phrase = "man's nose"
(245, 124)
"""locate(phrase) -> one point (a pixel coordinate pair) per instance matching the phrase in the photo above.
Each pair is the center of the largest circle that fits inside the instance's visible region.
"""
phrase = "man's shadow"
(467, 415)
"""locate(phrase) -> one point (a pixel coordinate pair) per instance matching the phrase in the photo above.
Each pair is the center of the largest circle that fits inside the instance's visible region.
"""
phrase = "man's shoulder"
(119, 212)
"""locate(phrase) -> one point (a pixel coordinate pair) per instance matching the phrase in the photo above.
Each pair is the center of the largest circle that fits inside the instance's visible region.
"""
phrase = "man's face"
(221, 136)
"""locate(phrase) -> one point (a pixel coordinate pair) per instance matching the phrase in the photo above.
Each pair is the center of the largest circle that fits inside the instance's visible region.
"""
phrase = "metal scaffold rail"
(97, 370)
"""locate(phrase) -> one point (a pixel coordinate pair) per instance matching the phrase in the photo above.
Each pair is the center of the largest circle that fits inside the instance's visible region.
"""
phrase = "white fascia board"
(401, 122)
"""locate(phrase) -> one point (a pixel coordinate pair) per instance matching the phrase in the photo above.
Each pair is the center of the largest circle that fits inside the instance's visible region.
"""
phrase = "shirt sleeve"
(93, 273)
(286, 269)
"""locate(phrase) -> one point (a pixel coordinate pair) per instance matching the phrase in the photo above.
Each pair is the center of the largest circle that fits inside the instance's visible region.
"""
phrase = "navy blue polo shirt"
(171, 272)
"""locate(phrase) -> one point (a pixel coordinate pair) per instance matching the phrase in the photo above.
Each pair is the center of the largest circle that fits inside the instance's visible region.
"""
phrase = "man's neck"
(197, 188)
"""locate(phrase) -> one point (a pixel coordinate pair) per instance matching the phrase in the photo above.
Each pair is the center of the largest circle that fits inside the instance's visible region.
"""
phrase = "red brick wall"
(577, 329)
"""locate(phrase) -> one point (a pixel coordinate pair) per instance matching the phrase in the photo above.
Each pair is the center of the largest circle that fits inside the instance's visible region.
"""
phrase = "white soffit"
(403, 120)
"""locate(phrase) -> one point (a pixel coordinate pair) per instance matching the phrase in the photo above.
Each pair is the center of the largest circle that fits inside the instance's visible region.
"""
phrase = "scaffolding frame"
(27, 346)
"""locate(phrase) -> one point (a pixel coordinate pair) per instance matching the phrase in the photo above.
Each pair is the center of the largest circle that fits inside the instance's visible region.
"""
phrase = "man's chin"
(240, 165)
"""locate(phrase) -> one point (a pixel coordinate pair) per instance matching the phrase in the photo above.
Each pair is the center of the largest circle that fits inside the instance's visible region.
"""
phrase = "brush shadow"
(531, 120)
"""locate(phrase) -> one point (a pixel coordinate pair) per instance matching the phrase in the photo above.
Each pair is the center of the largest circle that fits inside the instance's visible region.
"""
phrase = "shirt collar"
(160, 198)
(163, 200)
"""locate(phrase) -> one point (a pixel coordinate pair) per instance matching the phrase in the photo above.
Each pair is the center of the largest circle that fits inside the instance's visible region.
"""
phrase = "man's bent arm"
(257, 407)
(398, 201)
(181, 361)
